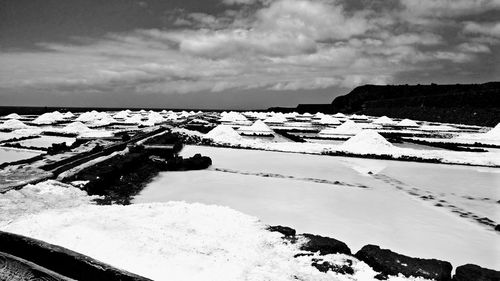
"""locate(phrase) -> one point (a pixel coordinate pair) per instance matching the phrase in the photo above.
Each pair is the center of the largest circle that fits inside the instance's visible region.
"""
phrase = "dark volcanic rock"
(472, 272)
(325, 266)
(285, 230)
(325, 245)
(390, 263)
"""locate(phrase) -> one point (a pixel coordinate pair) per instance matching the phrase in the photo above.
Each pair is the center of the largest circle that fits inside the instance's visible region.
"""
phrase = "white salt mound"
(104, 121)
(232, 117)
(494, 133)
(13, 116)
(359, 117)
(121, 115)
(48, 118)
(339, 115)
(223, 133)
(407, 123)
(367, 141)
(68, 115)
(155, 118)
(75, 128)
(13, 124)
(347, 128)
(384, 120)
(328, 120)
(134, 119)
(91, 116)
(257, 127)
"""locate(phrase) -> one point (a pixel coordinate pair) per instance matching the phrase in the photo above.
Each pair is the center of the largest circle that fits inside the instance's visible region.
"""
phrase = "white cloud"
(488, 29)
(281, 45)
(449, 8)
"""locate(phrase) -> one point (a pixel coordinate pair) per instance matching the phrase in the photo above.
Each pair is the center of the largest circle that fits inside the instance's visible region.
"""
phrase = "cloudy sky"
(237, 53)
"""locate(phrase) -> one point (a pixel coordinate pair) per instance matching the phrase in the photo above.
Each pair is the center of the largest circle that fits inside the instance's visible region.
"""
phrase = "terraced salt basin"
(358, 201)
(13, 154)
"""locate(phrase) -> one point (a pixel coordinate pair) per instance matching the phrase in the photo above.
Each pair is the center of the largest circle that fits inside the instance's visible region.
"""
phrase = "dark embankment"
(118, 179)
(473, 104)
(24, 258)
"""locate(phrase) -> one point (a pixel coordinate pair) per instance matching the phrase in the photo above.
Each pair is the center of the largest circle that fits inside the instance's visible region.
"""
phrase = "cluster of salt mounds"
(384, 120)
(358, 117)
(105, 120)
(232, 117)
(223, 133)
(367, 141)
(134, 119)
(92, 116)
(13, 124)
(122, 114)
(257, 128)
(407, 123)
(347, 128)
(13, 116)
(153, 119)
(49, 118)
(75, 128)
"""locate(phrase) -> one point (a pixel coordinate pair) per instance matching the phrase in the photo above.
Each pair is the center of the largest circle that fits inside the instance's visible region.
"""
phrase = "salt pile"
(367, 141)
(493, 134)
(75, 128)
(134, 119)
(155, 118)
(104, 121)
(232, 117)
(384, 120)
(13, 116)
(359, 117)
(91, 116)
(258, 128)
(68, 115)
(171, 117)
(13, 124)
(347, 128)
(407, 123)
(49, 118)
(339, 115)
(121, 115)
(327, 120)
(223, 133)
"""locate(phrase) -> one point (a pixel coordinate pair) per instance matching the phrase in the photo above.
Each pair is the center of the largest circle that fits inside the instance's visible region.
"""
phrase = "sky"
(237, 54)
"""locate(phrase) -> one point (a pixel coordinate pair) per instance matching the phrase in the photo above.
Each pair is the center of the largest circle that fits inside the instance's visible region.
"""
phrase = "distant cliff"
(477, 104)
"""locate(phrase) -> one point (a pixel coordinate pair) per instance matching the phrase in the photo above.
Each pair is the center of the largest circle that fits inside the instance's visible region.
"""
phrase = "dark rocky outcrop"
(325, 245)
(472, 272)
(325, 266)
(285, 230)
(474, 104)
(389, 263)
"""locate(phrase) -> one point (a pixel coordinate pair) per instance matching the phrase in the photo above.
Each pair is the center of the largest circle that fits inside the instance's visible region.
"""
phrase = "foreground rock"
(324, 245)
(389, 263)
(285, 230)
(472, 272)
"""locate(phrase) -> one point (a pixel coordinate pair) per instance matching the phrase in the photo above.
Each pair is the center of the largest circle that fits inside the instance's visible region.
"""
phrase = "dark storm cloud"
(217, 48)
